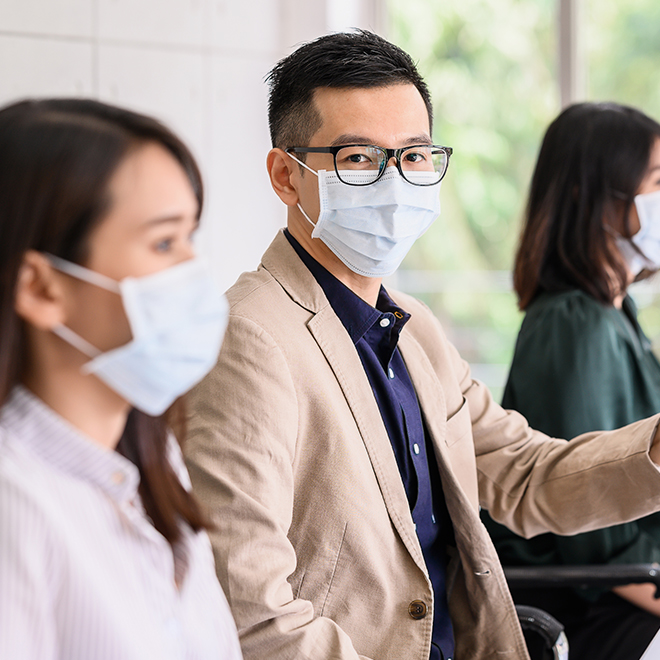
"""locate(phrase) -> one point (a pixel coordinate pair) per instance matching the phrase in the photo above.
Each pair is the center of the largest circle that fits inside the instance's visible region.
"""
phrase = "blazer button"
(417, 609)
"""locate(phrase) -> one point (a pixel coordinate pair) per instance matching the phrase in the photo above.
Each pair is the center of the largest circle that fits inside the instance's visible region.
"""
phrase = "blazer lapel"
(427, 387)
(286, 267)
(339, 350)
(430, 395)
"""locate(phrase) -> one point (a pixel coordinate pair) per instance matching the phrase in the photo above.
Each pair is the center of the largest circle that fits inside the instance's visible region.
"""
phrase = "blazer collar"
(282, 262)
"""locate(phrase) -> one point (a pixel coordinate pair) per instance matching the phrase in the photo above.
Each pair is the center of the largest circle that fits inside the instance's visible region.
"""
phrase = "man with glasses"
(340, 445)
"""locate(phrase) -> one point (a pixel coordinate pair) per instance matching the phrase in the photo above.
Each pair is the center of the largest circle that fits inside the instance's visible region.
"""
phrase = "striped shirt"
(84, 575)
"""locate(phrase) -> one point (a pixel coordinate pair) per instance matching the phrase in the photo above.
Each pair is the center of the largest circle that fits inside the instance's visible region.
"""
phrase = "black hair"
(592, 161)
(341, 60)
(57, 157)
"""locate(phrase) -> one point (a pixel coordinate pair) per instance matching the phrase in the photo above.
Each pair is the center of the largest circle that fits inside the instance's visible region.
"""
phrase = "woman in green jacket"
(582, 362)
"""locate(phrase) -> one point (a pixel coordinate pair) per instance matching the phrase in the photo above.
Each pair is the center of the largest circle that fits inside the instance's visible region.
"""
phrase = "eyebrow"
(352, 138)
(173, 219)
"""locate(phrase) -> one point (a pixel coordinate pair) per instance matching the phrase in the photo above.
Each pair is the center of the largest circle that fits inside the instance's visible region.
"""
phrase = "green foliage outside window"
(491, 66)
(624, 66)
(491, 70)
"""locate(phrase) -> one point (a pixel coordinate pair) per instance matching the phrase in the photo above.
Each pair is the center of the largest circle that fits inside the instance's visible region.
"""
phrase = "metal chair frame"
(605, 576)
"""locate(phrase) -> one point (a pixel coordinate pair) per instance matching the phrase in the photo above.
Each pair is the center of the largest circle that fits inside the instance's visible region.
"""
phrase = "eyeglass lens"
(361, 165)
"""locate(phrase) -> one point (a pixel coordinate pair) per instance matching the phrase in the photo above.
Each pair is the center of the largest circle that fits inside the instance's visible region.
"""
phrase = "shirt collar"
(53, 440)
(356, 315)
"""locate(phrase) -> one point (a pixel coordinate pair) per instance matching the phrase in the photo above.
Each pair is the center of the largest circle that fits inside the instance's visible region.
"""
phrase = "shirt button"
(416, 448)
(117, 478)
(390, 372)
(384, 322)
(417, 609)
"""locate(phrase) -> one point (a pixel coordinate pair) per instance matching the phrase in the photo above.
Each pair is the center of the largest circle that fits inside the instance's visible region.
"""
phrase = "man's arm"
(532, 483)
(241, 451)
(654, 452)
(572, 373)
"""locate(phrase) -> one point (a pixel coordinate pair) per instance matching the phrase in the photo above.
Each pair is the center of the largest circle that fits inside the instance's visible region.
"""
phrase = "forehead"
(651, 180)
(149, 175)
(386, 116)
(654, 159)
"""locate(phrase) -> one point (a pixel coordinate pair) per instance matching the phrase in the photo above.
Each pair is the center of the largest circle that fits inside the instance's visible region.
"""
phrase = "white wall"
(196, 64)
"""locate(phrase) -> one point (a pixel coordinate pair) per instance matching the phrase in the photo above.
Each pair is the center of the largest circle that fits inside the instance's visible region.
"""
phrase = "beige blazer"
(314, 542)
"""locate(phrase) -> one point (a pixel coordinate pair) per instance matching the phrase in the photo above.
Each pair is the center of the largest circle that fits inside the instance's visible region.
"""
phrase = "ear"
(283, 172)
(39, 296)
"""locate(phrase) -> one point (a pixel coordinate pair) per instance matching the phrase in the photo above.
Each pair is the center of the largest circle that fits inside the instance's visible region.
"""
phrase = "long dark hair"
(591, 163)
(56, 159)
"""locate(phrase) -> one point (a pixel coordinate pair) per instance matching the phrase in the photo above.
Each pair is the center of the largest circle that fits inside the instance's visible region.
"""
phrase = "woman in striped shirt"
(106, 317)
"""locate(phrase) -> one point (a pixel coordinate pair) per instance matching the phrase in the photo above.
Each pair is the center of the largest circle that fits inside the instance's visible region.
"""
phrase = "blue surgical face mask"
(372, 228)
(177, 319)
(635, 260)
(647, 239)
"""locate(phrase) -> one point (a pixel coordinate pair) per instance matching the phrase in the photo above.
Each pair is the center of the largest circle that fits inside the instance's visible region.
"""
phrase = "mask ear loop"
(306, 216)
(615, 234)
(646, 267)
(82, 273)
(74, 339)
(307, 167)
(300, 208)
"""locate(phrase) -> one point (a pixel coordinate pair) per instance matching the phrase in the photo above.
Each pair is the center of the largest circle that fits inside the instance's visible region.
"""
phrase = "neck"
(366, 288)
(618, 300)
(83, 400)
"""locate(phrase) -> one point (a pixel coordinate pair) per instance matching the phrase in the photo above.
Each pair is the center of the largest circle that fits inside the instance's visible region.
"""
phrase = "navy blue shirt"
(375, 333)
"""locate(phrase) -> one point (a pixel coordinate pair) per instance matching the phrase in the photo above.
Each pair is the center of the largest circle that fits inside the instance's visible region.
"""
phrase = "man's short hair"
(342, 60)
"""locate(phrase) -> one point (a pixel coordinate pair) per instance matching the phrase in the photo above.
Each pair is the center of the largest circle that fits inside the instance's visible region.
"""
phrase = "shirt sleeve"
(27, 592)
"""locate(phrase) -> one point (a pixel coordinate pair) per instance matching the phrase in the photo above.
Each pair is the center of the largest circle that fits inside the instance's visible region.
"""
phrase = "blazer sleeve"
(573, 371)
(533, 484)
(240, 451)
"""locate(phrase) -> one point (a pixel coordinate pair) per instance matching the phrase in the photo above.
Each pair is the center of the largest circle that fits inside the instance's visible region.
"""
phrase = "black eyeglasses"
(364, 164)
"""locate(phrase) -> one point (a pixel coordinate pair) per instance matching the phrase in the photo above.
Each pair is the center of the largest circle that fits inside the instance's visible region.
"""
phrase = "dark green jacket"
(582, 366)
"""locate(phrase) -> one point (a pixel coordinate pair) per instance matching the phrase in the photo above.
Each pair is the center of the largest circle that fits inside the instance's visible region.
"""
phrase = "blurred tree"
(491, 70)
(624, 66)
(490, 67)
(623, 54)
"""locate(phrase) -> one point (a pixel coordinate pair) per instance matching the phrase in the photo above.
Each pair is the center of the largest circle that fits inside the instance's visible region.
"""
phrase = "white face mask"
(372, 228)
(177, 319)
(635, 261)
(647, 239)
